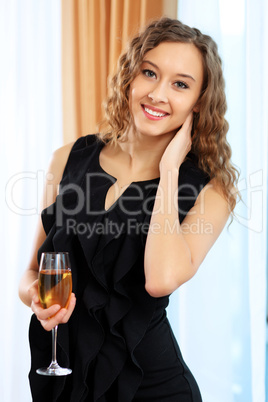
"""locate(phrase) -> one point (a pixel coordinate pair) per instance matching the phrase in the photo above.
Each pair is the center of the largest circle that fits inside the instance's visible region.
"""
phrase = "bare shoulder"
(60, 155)
(213, 204)
(54, 174)
(58, 162)
(212, 190)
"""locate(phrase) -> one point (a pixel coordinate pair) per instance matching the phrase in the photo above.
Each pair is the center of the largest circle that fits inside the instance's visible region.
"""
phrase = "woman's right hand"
(52, 316)
(179, 146)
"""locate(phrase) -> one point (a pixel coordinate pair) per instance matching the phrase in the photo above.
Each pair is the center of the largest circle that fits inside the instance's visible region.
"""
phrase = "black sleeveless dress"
(118, 340)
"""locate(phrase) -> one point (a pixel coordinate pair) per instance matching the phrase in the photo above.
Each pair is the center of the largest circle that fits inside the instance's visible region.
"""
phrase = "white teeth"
(153, 113)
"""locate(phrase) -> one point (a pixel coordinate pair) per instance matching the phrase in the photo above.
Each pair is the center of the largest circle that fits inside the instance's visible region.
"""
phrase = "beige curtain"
(94, 32)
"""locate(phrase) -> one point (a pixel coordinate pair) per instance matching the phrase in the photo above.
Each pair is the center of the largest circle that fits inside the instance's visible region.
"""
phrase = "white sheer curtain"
(31, 128)
(221, 318)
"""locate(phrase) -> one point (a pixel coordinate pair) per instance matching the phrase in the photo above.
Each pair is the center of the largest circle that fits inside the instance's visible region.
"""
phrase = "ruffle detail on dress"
(113, 309)
(114, 306)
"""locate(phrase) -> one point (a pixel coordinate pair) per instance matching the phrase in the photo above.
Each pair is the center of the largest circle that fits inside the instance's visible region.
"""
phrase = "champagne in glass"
(54, 287)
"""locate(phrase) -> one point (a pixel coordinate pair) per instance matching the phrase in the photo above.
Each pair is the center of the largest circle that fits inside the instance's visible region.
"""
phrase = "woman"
(138, 209)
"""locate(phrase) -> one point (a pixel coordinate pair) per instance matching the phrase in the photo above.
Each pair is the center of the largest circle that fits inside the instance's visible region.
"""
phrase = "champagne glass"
(54, 287)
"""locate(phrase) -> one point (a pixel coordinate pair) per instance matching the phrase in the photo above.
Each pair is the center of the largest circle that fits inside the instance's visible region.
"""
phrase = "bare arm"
(28, 284)
(174, 252)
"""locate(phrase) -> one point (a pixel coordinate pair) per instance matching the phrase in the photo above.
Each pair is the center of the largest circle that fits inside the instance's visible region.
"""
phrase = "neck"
(145, 148)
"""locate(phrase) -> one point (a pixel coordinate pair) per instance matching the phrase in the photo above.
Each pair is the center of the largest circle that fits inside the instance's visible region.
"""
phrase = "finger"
(65, 313)
(189, 121)
(186, 128)
(55, 320)
(190, 117)
(45, 313)
(35, 298)
(60, 317)
(70, 308)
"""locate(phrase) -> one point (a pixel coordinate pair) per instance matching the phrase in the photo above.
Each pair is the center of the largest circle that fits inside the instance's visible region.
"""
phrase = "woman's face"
(166, 89)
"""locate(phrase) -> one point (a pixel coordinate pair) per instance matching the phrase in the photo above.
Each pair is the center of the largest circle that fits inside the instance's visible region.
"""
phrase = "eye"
(148, 73)
(181, 85)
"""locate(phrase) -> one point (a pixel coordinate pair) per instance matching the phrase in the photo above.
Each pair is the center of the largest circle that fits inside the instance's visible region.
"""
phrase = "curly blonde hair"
(209, 143)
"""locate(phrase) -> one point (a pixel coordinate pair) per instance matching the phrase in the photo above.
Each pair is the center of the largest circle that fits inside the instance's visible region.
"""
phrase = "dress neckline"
(127, 188)
(115, 179)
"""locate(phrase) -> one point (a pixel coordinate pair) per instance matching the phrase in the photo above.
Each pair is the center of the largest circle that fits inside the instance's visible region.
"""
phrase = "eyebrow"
(179, 74)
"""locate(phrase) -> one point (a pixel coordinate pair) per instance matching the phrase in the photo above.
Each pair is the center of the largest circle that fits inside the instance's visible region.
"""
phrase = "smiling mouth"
(154, 113)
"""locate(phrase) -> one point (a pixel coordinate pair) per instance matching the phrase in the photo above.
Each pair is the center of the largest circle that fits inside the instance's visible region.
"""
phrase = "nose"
(159, 93)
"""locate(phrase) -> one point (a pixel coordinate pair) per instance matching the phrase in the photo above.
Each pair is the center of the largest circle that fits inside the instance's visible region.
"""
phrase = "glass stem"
(54, 344)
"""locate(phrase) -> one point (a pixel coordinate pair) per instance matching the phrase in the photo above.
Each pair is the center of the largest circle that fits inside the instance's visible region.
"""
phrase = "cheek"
(181, 108)
(184, 107)
(133, 92)
(181, 113)
(138, 89)
(134, 99)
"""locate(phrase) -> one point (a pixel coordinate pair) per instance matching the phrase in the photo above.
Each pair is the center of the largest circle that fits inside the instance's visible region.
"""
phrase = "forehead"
(177, 57)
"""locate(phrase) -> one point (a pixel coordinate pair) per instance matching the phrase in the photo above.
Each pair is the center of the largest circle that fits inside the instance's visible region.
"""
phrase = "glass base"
(54, 370)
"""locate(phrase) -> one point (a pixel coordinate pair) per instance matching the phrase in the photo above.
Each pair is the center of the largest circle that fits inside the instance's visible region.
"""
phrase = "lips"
(154, 113)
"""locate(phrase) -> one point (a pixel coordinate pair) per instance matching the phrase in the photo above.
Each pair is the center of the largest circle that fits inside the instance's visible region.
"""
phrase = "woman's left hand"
(178, 147)
(53, 315)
